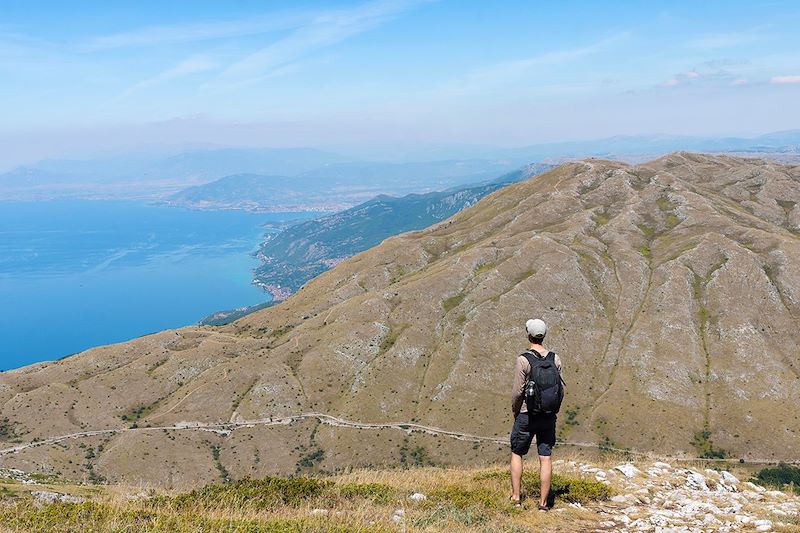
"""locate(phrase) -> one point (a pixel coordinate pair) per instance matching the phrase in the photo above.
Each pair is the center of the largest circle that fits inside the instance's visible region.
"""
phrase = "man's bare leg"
(516, 476)
(545, 475)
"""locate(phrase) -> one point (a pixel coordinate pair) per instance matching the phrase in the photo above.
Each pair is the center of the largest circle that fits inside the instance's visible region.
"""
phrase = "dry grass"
(363, 500)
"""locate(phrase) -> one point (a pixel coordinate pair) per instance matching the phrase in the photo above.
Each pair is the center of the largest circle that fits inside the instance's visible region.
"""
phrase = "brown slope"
(671, 289)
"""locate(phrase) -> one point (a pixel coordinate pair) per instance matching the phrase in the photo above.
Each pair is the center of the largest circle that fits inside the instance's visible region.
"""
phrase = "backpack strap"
(551, 356)
(528, 357)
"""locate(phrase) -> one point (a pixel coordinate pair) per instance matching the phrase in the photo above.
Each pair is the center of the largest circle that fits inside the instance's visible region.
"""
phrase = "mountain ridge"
(625, 262)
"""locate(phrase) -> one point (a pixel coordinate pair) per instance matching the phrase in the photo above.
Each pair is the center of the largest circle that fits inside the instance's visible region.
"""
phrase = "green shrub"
(779, 477)
(374, 492)
(451, 303)
(248, 493)
(461, 498)
(565, 488)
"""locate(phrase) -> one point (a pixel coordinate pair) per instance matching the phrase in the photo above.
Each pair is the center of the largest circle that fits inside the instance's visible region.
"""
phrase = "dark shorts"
(543, 427)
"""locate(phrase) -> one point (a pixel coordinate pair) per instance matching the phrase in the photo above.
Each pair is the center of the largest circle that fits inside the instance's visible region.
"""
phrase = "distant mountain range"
(150, 176)
(345, 180)
(333, 187)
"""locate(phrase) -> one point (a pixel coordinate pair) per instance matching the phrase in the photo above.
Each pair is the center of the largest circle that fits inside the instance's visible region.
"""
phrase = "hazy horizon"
(90, 78)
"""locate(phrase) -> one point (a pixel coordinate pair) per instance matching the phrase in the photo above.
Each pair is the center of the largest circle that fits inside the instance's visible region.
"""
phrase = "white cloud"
(191, 65)
(739, 81)
(672, 82)
(785, 80)
(326, 29)
(180, 33)
(507, 70)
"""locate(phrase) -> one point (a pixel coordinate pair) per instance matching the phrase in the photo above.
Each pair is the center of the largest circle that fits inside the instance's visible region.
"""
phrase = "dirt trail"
(225, 428)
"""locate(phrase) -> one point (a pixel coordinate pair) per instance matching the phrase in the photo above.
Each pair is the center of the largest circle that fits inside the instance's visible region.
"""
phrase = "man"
(526, 427)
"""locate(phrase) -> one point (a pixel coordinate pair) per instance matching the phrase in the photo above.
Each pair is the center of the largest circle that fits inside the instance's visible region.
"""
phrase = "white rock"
(619, 498)
(662, 466)
(45, 496)
(728, 478)
(600, 476)
(319, 511)
(743, 519)
(696, 481)
(775, 494)
(398, 515)
(628, 470)
(417, 497)
(753, 486)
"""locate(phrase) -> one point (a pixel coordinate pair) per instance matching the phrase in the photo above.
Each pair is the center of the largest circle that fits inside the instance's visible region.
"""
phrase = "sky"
(84, 77)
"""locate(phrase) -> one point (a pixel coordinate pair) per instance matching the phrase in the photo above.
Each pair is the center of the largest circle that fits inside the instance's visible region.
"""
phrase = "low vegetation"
(365, 501)
(783, 477)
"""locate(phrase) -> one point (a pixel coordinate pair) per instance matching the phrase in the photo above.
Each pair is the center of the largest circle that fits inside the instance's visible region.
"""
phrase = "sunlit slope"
(671, 290)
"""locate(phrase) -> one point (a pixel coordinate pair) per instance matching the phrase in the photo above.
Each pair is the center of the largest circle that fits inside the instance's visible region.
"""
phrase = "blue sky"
(81, 76)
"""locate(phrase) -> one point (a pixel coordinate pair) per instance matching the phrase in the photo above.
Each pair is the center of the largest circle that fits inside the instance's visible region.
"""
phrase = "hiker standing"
(535, 399)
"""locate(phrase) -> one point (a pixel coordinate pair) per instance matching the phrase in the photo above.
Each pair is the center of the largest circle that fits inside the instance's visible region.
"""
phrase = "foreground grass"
(368, 501)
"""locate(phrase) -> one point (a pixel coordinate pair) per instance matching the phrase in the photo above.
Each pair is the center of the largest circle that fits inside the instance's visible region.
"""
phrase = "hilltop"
(671, 291)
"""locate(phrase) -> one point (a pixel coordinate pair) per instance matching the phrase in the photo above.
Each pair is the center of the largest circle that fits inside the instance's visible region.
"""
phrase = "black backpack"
(544, 390)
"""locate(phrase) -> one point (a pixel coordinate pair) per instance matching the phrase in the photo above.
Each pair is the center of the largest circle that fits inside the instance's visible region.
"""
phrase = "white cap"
(536, 327)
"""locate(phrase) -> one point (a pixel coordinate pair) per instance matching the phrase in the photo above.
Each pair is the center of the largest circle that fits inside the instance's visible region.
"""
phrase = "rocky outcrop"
(675, 499)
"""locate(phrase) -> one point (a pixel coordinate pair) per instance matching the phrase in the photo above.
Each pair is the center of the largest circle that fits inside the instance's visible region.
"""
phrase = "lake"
(76, 274)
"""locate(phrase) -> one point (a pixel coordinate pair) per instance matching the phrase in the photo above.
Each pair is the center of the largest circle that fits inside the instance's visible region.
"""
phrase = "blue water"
(77, 274)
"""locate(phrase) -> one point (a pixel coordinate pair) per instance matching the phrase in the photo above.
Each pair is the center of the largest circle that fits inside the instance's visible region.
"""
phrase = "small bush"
(470, 516)
(565, 488)
(461, 498)
(779, 477)
(375, 492)
(579, 490)
(451, 303)
(483, 268)
(248, 493)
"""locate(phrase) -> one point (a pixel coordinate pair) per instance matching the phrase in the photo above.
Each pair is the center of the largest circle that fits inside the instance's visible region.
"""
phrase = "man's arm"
(518, 389)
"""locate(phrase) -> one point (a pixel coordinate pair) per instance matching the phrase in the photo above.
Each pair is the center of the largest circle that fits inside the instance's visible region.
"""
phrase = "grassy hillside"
(305, 250)
(670, 287)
